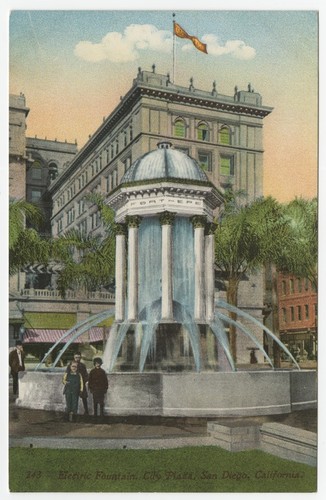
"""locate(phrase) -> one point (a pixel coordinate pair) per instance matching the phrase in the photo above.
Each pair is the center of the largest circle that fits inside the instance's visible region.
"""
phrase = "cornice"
(175, 95)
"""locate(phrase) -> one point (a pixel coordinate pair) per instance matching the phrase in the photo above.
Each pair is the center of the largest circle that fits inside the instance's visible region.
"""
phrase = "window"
(81, 206)
(53, 170)
(37, 170)
(299, 313)
(126, 164)
(125, 138)
(306, 284)
(130, 133)
(292, 313)
(83, 226)
(36, 195)
(95, 219)
(299, 285)
(291, 285)
(227, 165)
(225, 136)
(179, 128)
(70, 215)
(205, 161)
(284, 314)
(283, 287)
(202, 132)
(60, 224)
(114, 178)
(116, 147)
(306, 310)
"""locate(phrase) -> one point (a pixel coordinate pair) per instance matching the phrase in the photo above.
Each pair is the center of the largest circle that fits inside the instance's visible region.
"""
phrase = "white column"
(133, 223)
(120, 273)
(209, 271)
(166, 220)
(199, 247)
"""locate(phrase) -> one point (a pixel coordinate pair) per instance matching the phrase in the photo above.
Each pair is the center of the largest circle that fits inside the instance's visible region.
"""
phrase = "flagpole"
(174, 52)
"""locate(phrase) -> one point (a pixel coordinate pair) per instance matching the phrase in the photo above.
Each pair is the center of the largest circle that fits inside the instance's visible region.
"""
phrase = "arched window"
(224, 135)
(202, 132)
(179, 128)
(53, 170)
(37, 170)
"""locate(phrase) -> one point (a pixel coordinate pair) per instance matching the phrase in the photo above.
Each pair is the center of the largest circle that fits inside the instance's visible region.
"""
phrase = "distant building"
(297, 301)
(37, 313)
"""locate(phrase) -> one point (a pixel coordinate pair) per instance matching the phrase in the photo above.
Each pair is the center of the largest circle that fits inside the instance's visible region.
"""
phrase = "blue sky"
(73, 66)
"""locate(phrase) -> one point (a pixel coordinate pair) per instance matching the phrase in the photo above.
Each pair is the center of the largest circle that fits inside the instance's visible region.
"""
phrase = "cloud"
(125, 47)
(235, 48)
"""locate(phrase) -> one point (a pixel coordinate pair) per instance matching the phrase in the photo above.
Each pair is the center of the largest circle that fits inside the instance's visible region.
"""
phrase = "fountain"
(168, 351)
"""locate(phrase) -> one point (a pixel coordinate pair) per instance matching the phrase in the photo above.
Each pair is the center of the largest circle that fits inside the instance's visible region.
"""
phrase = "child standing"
(98, 385)
(73, 383)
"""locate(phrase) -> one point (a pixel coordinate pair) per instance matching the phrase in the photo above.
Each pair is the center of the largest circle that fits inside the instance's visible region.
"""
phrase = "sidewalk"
(50, 429)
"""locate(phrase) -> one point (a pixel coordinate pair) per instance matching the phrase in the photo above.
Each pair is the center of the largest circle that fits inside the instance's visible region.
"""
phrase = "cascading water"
(150, 303)
(149, 263)
(183, 263)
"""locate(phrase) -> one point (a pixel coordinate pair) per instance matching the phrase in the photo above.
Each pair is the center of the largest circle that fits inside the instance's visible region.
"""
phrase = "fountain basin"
(187, 394)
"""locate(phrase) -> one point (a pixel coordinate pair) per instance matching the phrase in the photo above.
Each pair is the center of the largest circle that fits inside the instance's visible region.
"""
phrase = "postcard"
(163, 218)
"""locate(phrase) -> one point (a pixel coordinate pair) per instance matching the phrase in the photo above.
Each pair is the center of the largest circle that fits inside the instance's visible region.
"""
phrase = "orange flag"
(181, 33)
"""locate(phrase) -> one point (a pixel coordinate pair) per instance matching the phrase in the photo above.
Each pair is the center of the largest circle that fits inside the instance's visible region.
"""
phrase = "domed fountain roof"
(164, 163)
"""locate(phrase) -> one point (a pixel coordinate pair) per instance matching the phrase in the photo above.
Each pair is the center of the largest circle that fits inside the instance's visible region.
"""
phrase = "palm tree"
(247, 236)
(25, 245)
(87, 260)
(300, 256)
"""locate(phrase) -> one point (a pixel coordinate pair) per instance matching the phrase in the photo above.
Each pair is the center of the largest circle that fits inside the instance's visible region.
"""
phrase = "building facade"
(35, 308)
(297, 301)
(223, 133)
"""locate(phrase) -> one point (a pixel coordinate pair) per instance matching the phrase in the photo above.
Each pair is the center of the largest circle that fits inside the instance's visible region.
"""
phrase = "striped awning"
(94, 334)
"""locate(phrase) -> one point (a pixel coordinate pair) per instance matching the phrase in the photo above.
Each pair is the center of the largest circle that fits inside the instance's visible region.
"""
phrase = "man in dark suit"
(16, 363)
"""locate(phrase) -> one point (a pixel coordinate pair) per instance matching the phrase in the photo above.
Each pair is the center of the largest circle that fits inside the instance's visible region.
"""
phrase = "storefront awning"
(94, 334)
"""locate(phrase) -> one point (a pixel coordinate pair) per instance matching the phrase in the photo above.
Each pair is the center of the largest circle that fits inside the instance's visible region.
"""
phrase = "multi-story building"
(297, 309)
(36, 311)
(223, 133)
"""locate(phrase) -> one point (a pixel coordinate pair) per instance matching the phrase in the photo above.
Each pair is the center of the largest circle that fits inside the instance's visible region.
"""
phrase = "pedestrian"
(73, 388)
(98, 385)
(81, 368)
(16, 363)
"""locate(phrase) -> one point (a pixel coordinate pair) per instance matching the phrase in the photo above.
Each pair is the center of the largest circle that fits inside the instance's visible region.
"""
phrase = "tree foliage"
(88, 261)
(26, 247)
(299, 253)
(249, 236)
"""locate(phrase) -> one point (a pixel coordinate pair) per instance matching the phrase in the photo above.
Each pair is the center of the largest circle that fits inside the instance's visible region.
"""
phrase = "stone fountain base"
(205, 394)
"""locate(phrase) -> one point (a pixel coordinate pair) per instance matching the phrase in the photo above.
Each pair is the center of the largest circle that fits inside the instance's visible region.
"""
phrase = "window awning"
(94, 334)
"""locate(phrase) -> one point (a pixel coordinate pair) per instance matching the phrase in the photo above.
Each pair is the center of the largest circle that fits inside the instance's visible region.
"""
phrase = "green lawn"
(193, 469)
